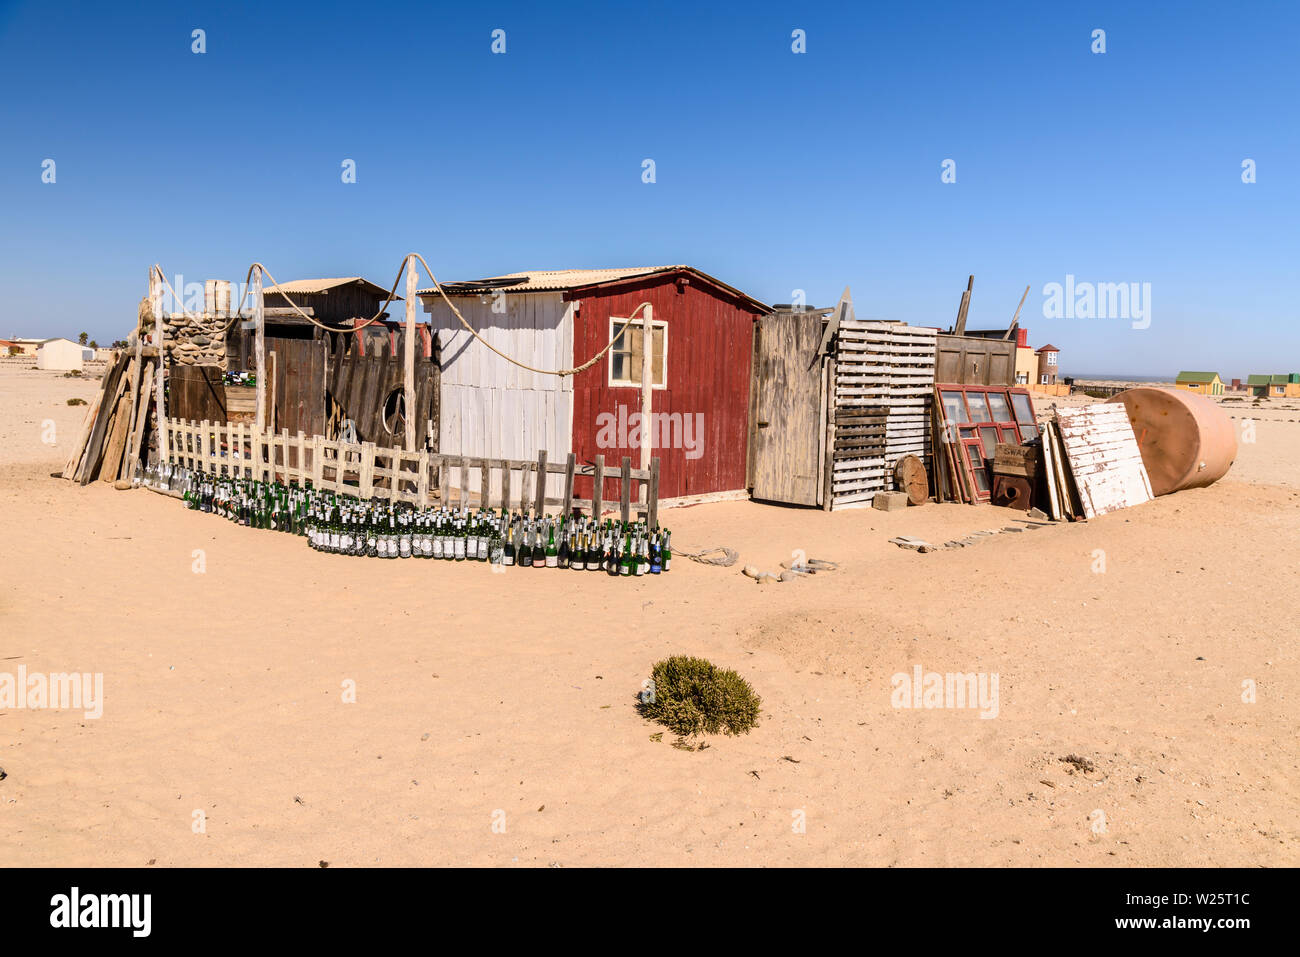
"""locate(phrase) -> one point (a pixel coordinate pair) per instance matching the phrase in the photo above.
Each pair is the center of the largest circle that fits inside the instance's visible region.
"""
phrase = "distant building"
(1275, 386)
(1047, 364)
(62, 355)
(1026, 361)
(22, 346)
(1204, 383)
(1236, 385)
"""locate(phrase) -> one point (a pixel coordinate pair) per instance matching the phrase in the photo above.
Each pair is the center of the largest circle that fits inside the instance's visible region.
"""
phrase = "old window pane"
(626, 354)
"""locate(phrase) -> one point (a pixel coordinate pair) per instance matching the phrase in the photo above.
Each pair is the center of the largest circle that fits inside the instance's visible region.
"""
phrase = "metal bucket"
(1187, 441)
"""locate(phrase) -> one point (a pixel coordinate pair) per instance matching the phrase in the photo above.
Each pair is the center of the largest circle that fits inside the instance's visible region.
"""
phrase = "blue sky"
(775, 171)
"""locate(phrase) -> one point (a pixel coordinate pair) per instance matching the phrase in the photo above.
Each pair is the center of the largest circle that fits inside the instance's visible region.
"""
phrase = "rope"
(556, 372)
(356, 328)
(725, 560)
(627, 324)
(248, 288)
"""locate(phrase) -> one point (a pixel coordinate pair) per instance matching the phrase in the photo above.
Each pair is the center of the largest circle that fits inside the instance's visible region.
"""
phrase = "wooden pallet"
(884, 380)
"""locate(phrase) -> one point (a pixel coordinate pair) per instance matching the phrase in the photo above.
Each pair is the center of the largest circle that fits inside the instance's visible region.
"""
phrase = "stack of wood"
(884, 380)
(113, 435)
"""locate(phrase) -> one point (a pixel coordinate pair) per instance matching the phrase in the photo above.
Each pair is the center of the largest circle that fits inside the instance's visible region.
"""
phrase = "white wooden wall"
(491, 407)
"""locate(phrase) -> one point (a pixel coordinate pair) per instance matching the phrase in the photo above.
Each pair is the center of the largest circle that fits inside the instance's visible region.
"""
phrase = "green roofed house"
(1279, 385)
(1205, 383)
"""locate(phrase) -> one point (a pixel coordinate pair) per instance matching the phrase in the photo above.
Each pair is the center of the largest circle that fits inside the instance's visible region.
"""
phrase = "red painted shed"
(701, 364)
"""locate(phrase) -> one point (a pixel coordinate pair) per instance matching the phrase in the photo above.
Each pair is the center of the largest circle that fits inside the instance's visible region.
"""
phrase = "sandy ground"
(484, 698)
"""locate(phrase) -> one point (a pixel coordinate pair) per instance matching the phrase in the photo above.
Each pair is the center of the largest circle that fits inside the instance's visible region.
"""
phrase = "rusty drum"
(1187, 441)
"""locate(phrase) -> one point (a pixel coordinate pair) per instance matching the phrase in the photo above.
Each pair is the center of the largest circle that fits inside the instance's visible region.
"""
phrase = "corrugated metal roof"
(1197, 376)
(307, 287)
(558, 280)
(551, 280)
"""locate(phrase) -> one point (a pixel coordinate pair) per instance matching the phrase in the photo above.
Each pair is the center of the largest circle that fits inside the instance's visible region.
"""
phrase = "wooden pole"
(409, 371)
(259, 320)
(647, 363)
(159, 335)
(828, 440)
(598, 488)
(137, 369)
(1015, 320)
(959, 329)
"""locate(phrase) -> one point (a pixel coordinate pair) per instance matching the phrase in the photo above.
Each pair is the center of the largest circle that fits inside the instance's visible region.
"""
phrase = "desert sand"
(483, 697)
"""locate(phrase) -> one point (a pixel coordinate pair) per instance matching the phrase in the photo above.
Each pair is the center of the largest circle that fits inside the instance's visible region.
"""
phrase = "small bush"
(76, 402)
(695, 696)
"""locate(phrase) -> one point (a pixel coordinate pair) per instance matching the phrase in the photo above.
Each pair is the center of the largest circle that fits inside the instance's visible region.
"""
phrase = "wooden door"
(789, 410)
(297, 376)
(196, 393)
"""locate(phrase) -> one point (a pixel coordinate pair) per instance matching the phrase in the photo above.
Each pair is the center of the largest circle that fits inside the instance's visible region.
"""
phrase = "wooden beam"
(652, 501)
(540, 508)
(160, 375)
(647, 366)
(568, 484)
(959, 329)
(828, 440)
(598, 488)
(115, 443)
(1015, 320)
(259, 320)
(136, 369)
(625, 490)
(141, 400)
(409, 370)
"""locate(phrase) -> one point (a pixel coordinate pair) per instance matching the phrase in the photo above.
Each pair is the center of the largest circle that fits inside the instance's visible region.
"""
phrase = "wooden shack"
(838, 403)
(700, 362)
(333, 362)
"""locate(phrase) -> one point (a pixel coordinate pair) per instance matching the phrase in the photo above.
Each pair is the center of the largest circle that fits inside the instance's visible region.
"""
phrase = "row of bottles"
(346, 525)
(583, 544)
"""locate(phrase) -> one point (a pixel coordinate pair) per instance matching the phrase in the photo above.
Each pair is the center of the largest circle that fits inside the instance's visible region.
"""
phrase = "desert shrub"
(76, 402)
(695, 696)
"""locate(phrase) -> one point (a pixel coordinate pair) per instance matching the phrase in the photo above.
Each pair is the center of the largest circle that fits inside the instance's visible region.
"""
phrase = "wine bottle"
(552, 553)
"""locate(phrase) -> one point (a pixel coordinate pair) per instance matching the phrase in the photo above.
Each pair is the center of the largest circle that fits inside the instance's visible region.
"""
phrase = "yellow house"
(1205, 383)
(1275, 386)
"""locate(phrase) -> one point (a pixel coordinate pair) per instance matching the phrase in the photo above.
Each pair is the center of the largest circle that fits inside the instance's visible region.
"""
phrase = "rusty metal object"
(1012, 491)
(1186, 440)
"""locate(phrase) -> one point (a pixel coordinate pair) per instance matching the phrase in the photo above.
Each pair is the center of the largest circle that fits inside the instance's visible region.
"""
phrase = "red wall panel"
(710, 352)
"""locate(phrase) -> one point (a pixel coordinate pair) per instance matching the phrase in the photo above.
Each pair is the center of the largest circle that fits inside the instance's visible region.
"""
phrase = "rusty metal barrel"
(1187, 441)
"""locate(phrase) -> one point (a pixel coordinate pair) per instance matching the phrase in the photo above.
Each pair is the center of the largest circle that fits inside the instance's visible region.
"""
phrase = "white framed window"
(1042, 380)
(626, 354)
(1051, 358)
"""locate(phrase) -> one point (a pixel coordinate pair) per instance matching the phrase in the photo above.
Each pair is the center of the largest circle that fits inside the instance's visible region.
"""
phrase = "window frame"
(968, 434)
(655, 324)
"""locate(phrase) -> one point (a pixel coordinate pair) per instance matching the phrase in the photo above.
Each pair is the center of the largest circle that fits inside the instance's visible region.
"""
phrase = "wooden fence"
(423, 478)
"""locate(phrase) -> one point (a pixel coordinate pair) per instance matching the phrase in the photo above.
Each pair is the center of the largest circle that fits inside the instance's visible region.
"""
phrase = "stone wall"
(197, 340)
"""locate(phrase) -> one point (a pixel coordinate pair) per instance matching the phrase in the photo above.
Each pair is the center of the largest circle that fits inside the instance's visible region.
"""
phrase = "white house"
(62, 354)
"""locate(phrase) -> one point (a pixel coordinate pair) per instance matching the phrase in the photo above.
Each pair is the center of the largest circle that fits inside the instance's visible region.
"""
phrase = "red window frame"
(973, 433)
